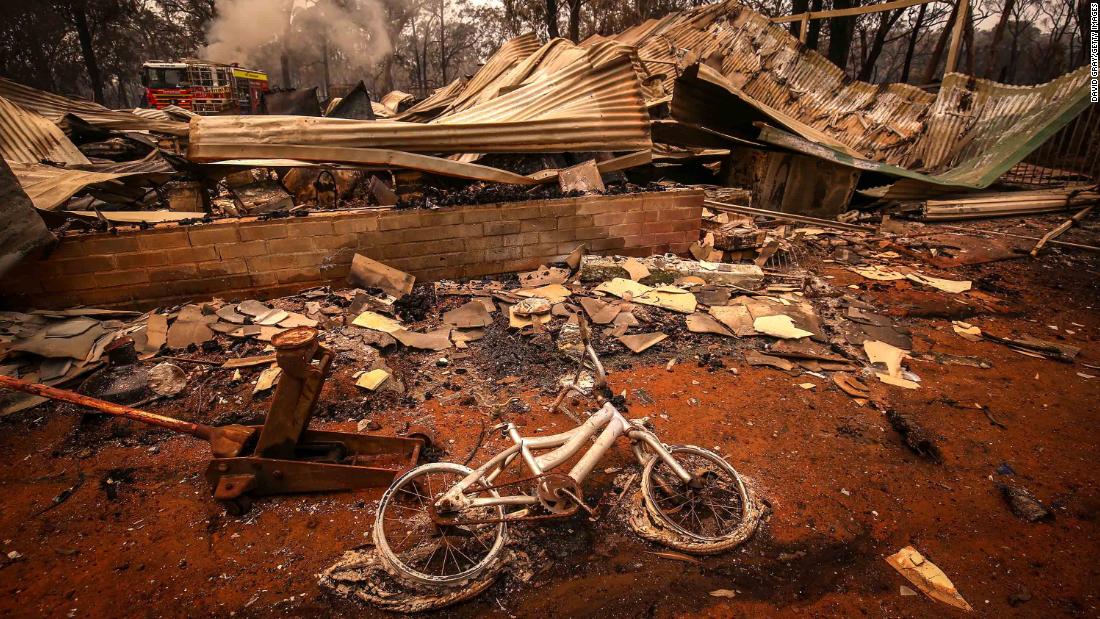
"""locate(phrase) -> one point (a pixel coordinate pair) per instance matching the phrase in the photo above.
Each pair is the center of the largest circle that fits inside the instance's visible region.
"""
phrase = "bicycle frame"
(565, 446)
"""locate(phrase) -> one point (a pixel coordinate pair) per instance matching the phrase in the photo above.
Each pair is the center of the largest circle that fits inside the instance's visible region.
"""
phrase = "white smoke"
(255, 32)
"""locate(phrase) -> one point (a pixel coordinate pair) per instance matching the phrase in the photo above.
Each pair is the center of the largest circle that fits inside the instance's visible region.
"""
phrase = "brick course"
(248, 258)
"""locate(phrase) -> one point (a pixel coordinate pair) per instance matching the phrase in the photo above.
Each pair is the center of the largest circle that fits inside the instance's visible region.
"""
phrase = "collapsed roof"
(581, 99)
(728, 69)
(56, 108)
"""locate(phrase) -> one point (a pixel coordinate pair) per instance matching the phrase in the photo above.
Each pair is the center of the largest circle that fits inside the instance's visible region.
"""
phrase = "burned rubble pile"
(828, 327)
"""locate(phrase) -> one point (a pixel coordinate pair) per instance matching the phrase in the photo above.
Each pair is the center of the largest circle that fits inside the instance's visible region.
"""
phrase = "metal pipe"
(176, 425)
(974, 231)
(805, 219)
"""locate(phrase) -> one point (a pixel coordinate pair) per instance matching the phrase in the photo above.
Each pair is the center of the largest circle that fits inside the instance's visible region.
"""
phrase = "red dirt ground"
(843, 490)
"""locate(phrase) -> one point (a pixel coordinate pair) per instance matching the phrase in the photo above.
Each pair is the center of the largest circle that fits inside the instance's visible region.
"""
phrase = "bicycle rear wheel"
(712, 513)
(416, 548)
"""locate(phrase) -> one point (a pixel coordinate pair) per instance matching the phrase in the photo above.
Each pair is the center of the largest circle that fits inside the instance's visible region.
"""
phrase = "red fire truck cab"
(203, 87)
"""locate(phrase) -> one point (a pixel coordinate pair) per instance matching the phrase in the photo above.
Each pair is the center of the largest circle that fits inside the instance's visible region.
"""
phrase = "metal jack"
(282, 456)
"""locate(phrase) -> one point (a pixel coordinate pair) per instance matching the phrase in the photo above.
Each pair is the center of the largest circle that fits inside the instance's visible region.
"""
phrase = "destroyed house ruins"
(846, 332)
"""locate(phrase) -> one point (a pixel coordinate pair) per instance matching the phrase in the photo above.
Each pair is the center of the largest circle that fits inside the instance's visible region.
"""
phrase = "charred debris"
(818, 237)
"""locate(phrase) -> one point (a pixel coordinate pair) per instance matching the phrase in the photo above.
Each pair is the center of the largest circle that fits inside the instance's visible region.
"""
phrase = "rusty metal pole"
(185, 427)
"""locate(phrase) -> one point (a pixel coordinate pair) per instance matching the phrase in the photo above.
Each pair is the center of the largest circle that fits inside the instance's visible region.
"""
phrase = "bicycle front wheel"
(415, 547)
(711, 513)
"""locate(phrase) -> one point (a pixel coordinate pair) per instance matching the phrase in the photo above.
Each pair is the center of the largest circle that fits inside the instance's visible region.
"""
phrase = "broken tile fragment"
(369, 273)
(928, 577)
(272, 317)
(229, 313)
(191, 327)
(295, 319)
(555, 293)
(252, 308)
(599, 312)
(704, 323)
(517, 321)
(757, 358)
(267, 379)
(543, 276)
(779, 325)
(372, 380)
(468, 315)
(532, 306)
(635, 269)
(736, 318)
(377, 322)
(641, 341)
(438, 339)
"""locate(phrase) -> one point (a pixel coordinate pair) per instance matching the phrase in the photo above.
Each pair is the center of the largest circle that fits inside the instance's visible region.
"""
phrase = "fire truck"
(203, 87)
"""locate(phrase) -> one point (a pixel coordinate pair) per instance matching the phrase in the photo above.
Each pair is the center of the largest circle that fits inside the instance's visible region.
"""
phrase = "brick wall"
(240, 258)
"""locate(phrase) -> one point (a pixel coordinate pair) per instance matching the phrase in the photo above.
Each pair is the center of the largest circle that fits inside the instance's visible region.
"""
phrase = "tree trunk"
(284, 68)
(284, 53)
(912, 46)
(798, 6)
(1083, 28)
(575, 20)
(886, 22)
(841, 30)
(442, 45)
(1008, 72)
(862, 47)
(387, 73)
(84, 34)
(324, 65)
(552, 19)
(937, 53)
(994, 62)
(968, 38)
(815, 25)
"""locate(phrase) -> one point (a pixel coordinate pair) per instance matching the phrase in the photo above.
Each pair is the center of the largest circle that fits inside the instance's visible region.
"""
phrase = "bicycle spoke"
(443, 568)
(422, 546)
(419, 497)
(712, 506)
(428, 562)
(464, 556)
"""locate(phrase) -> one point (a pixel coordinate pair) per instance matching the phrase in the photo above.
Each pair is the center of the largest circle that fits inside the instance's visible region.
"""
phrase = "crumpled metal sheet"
(967, 134)
(21, 229)
(167, 113)
(453, 98)
(393, 99)
(56, 107)
(436, 102)
(355, 104)
(592, 103)
(49, 187)
(26, 137)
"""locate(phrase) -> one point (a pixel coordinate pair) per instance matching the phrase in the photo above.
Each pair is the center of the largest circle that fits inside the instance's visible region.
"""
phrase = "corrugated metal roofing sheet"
(594, 103)
(510, 54)
(435, 104)
(26, 137)
(55, 107)
(49, 187)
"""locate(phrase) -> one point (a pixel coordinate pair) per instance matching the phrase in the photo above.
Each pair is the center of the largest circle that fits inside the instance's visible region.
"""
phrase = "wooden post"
(961, 15)
(804, 28)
